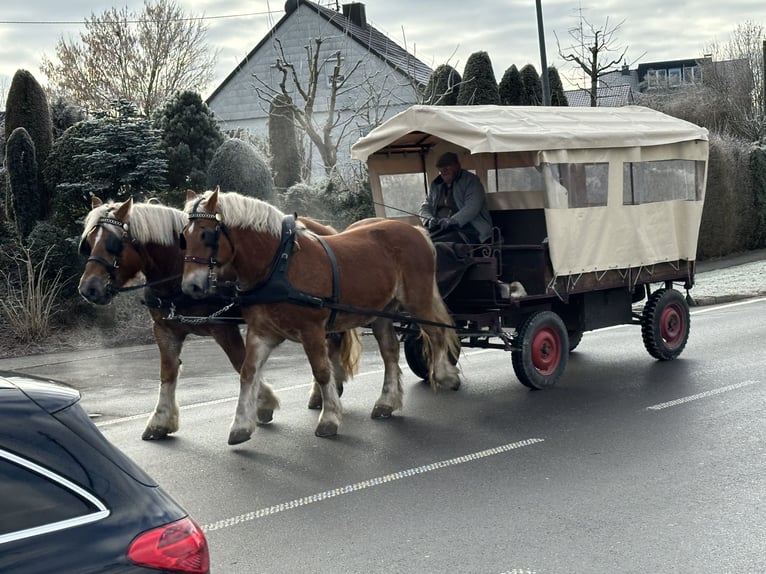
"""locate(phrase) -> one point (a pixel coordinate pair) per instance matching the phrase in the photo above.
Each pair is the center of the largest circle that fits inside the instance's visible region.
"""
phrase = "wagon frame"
(595, 211)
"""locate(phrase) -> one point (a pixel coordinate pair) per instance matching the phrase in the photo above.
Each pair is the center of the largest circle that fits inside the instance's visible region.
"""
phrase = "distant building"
(382, 82)
(622, 87)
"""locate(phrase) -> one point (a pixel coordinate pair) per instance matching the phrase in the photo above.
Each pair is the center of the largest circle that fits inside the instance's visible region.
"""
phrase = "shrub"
(23, 195)
(443, 86)
(479, 85)
(238, 166)
(511, 89)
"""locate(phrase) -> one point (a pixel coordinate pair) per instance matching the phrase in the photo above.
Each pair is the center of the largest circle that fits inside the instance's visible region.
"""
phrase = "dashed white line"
(348, 489)
(696, 397)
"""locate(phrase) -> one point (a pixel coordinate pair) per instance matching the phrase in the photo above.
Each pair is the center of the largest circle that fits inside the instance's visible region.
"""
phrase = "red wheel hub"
(546, 350)
(672, 325)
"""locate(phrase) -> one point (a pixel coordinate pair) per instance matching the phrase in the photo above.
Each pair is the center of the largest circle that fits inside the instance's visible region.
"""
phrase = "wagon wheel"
(413, 353)
(574, 339)
(665, 324)
(543, 355)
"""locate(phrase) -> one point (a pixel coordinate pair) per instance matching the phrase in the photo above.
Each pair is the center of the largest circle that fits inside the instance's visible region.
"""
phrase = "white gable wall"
(237, 105)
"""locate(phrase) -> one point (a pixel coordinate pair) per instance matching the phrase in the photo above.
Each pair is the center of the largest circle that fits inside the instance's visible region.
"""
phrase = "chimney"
(625, 70)
(355, 12)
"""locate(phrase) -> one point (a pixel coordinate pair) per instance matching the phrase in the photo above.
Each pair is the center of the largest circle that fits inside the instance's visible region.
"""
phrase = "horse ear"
(123, 212)
(191, 195)
(212, 201)
(95, 202)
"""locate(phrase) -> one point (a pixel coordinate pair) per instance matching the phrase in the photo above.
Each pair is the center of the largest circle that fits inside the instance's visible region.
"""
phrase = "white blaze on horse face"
(195, 276)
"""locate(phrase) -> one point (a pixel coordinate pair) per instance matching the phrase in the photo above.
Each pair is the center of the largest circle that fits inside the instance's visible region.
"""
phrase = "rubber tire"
(665, 324)
(413, 353)
(544, 351)
(574, 339)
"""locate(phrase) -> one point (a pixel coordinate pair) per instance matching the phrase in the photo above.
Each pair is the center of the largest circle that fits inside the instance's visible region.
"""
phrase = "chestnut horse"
(358, 277)
(123, 241)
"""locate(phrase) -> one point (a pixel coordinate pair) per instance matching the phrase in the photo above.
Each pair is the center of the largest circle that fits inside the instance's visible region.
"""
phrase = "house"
(622, 87)
(377, 77)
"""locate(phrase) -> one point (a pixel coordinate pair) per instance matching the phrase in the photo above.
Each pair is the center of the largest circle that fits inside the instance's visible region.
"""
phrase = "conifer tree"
(23, 201)
(190, 137)
(510, 88)
(558, 97)
(533, 88)
(479, 84)
(443, 86)
(283, 143)
(27, 107)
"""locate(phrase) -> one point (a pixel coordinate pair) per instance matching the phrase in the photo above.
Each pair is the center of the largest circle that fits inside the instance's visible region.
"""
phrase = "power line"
(139, 21)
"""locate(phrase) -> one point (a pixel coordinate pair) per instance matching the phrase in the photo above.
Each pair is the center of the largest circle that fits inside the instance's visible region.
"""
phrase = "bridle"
(114, 244)
(209, 240)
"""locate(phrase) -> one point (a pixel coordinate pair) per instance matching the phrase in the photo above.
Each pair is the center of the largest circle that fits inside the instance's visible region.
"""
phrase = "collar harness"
(276, 287)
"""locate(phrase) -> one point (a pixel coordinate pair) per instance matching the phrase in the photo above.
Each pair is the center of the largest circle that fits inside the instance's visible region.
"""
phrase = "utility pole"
(543, 59)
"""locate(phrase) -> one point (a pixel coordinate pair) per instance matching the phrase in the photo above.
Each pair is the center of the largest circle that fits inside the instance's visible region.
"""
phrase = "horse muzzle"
(96, 290)
(198, 284)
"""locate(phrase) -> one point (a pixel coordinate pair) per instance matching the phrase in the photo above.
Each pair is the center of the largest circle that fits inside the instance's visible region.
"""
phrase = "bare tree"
(735, 71)
(143, 58)
(591, 51)
(356, 99)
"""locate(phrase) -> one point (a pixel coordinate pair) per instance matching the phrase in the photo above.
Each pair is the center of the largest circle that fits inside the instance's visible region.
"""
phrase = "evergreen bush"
(532, 86)
(238, 166)
(511, 89)
(479, 84)
(443, 86)
(283, 143)
(23, 194)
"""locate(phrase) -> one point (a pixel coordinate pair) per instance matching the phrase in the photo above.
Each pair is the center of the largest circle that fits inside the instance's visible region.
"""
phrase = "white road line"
(706, 394)
(709, 308)
(348, 489)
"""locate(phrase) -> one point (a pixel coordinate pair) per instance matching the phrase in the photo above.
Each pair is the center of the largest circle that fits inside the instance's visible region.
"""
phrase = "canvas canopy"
(620, 187)
(497, 129)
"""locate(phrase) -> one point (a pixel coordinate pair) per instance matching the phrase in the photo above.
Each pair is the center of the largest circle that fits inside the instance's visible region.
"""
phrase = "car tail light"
(178, 547)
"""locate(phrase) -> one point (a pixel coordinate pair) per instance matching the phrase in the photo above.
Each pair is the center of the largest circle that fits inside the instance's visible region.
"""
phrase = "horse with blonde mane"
(296, 286)
(126, 240)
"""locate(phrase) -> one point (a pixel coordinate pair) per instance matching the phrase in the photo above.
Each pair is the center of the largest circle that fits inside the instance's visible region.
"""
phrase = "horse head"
(206, 253)
(112, 255)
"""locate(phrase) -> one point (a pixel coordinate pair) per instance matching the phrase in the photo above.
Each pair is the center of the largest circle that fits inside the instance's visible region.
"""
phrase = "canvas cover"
(582, 239)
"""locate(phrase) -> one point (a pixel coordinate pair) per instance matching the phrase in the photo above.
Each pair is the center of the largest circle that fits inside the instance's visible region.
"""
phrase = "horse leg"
(391, 396)
(315, 347)
(257, 400)
(338, 345)
(230, 340)
(164, 419)
(436, 346)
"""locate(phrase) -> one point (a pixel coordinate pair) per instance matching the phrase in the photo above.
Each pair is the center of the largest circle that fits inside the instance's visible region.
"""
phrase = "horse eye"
(85, 248)
(182, 242)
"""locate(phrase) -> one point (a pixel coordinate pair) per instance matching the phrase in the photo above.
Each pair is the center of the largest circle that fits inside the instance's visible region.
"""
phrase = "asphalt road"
(627, 465)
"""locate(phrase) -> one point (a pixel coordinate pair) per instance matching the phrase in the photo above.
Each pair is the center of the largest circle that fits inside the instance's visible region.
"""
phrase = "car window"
(36, 500)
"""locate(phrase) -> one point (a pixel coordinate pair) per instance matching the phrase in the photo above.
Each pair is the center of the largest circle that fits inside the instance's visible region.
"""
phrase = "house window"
(666, 180)
(340, 79)
(674, 77)
(692, 75)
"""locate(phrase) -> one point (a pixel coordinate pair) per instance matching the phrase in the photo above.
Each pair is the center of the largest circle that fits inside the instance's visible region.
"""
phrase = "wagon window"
(666, 180)
(515, 179)
(586, 184)
(402, 193)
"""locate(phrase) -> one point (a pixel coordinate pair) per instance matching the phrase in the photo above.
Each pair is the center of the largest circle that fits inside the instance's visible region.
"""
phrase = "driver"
(455, 209)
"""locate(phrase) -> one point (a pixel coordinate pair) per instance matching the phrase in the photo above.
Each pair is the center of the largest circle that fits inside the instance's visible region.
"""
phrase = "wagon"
(596, 215)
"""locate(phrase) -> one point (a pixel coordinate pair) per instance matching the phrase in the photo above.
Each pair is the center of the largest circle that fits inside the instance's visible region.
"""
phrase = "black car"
(71, 502)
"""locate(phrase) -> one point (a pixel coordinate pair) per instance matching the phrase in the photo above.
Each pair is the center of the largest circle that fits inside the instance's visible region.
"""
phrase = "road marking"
(706, 394)
(718, 307)
(348, 489)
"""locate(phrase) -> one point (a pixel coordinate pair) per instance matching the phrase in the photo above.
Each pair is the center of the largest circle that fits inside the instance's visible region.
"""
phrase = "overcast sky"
(437, 31)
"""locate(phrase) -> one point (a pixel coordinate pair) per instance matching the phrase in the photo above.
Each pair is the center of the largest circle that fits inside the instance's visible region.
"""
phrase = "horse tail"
(350, 352)
(451, 340)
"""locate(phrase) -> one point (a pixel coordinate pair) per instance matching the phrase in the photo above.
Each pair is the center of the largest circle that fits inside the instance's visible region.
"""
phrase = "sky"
(436, 31)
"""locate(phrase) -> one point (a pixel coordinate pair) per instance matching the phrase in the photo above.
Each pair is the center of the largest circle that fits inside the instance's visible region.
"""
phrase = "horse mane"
(149, 222)
(244, 212)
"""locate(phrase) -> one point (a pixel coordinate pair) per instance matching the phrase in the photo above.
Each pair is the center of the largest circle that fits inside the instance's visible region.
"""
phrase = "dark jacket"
(468, 195)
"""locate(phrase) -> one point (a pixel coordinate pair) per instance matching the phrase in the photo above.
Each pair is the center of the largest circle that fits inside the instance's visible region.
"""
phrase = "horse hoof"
(264, 416)
(382, 412)
(315, 404)
(326, 429)
(239, 436)
(154, 433)
(450, 384)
